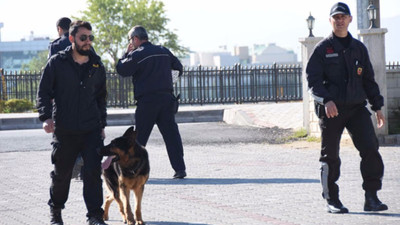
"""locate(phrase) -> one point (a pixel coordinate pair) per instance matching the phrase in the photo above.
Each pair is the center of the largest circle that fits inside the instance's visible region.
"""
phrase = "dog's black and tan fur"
(128, 171)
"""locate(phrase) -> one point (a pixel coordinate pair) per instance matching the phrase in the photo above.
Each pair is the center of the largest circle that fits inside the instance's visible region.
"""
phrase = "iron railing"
(198, 85)
(393, 66)
(238, 84)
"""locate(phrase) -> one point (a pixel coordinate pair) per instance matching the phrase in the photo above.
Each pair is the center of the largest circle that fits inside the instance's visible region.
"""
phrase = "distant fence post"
(200, 88)
(275, 75)
(238, 84)
(3, 86)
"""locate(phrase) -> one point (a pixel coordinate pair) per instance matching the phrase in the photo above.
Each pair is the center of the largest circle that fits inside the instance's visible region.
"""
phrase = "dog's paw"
(131, 222)
(140, 223)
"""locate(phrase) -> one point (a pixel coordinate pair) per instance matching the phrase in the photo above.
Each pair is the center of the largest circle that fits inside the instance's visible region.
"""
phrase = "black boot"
(372, 202)
(96, 221)
(335, 206)
(55, 217)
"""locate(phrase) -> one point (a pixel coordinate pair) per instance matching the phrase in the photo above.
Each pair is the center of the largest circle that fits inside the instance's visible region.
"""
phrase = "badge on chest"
(330, 53)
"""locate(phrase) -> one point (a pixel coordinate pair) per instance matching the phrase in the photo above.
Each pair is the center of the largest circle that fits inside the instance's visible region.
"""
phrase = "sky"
(205, 25)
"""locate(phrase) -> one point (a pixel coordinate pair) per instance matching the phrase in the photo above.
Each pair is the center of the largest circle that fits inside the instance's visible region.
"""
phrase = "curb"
(31, 121)
(126, 117)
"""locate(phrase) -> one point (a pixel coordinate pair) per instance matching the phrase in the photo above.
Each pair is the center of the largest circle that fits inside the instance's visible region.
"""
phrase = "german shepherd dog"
(129, 170)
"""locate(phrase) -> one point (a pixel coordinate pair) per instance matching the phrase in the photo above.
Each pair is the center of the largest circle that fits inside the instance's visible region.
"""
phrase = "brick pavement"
(227, 185)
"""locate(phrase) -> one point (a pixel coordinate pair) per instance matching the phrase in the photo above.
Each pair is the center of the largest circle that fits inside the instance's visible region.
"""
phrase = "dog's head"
(122, 147)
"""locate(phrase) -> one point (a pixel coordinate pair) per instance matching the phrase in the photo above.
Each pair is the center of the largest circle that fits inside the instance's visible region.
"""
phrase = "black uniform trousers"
(66, 148)
(357, 121)
(158, 108)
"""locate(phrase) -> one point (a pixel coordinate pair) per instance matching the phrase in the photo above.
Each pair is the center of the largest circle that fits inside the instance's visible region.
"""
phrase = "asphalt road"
(192, 134)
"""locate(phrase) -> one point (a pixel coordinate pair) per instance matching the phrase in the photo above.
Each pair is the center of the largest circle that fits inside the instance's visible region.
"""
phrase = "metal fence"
(238, 84)
(393, 66)
(198, 85)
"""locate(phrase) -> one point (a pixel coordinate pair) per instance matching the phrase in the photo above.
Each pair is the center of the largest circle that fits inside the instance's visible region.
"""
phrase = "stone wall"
(393, 98)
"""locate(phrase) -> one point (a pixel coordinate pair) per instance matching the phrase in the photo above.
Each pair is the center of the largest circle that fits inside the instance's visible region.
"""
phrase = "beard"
(80, 50)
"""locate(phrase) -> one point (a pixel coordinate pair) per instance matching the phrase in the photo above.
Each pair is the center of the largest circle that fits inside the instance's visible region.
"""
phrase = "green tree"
(112, 19)
(37, 63)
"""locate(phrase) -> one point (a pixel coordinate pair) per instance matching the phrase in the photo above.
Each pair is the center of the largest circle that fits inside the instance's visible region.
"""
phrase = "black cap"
(64, 23)
(340, 8)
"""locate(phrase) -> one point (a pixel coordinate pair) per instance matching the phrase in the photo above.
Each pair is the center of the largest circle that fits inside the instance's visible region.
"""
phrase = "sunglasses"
(84, 37)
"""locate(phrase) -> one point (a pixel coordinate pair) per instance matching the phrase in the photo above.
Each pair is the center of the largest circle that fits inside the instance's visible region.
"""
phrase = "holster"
(319, 110)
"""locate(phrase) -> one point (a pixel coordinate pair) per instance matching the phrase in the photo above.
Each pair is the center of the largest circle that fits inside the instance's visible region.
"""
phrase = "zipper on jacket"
(347, 76)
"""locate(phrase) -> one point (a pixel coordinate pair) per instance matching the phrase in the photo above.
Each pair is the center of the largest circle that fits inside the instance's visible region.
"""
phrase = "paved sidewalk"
(227, 185)
(253, 184)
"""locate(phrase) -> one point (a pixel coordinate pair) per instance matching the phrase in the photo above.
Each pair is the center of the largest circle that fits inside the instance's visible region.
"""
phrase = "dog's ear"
(130, 134)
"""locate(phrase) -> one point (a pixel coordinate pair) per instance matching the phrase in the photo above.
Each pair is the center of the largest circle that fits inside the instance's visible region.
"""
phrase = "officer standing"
(341, 78)
(150, 67)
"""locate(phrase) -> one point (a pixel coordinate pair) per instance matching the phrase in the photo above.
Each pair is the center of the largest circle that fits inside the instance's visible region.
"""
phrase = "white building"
(13, 54)
(243, 53)
(272, 54)
(261, 55)
(218, 59)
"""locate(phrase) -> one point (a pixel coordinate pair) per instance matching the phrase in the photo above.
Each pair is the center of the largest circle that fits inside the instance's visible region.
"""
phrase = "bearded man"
(75, 79)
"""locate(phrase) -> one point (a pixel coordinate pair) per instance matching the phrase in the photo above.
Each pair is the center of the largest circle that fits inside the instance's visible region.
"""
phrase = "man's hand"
(130, 48)
(48, 126)
(380, 119)
(331, 110)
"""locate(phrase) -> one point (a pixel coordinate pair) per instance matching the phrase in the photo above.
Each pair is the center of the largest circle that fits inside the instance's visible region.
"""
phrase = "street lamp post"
(371, 14)
(310, 23)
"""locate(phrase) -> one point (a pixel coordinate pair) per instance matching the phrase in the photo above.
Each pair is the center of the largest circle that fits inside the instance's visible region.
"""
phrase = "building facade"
(261, 55)
(13, 54)
(272, 54)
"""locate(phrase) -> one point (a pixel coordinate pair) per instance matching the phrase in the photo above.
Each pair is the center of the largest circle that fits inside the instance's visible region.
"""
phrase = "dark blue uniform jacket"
(342, 75)
(59, 44)
(150, 67)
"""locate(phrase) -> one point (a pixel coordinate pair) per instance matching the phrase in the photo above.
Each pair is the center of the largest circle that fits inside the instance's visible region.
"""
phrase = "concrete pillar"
(374, 40)
(310, 121)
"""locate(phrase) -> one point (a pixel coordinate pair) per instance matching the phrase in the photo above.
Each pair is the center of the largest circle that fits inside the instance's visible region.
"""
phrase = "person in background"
(341, 78)
(63, 41)
(150, 67)
(75, 79)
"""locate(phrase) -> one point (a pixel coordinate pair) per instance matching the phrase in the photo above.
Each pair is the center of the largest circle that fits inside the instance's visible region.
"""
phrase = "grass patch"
(301, 134)
(313, 139)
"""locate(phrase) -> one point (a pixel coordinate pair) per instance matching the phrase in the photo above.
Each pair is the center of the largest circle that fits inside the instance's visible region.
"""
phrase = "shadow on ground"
(172, 223)
(376, 214)
(228, 181)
